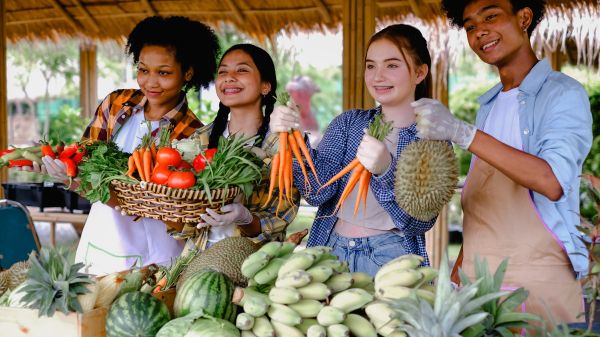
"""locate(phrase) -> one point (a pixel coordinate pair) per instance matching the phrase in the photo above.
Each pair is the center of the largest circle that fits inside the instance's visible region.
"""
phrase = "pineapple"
(3, 282)
(453, 310)
(17, 274)
(503, 317)
(53, 282)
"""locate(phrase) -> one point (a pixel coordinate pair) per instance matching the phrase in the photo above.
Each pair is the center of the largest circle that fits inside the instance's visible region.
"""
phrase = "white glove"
(373, 155)
(435, 121)
(235, 213)
(284, 119)
(56, 169)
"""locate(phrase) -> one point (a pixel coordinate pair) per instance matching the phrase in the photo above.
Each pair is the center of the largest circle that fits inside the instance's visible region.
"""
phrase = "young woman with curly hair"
(172, 55)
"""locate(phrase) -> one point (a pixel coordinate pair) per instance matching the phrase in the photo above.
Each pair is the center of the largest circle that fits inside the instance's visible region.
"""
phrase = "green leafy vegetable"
(103, 163)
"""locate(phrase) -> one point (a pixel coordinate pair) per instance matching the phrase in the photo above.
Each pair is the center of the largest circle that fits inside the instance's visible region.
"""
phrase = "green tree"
(67, 126)
(52, 60)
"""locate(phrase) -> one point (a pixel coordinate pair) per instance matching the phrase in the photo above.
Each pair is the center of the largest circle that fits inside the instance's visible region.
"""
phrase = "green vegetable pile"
(233, 165)
(103, 163)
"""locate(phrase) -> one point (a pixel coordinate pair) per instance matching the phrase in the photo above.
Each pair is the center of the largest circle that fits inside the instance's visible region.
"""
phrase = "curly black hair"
(266, 68)
(454, 10)
(195, 45)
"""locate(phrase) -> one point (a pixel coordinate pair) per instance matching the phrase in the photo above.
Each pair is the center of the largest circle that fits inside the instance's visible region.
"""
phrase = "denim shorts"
(367, 254)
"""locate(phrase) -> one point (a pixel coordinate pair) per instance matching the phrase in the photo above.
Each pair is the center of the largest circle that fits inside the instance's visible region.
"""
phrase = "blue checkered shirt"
(336, 150)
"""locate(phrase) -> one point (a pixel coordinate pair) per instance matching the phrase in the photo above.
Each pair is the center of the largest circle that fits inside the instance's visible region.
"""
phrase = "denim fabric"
(367, 254)
(556, 125)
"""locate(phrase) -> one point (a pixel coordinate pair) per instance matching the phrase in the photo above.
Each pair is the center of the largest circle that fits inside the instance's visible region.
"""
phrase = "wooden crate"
(16, 322)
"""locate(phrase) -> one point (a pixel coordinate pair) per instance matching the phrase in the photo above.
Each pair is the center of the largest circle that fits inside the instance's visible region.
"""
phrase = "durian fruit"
(426, 176)
(17, 274)
(225, 256)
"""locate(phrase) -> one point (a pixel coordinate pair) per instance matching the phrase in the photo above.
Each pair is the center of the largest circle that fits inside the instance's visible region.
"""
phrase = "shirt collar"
(530, 85)
(174, 116)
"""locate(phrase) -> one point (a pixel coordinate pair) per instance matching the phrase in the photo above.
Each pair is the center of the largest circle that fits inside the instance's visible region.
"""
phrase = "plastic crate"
(40, 195)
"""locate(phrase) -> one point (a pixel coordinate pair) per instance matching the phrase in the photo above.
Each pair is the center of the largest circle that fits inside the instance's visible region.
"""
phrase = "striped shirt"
(116, 109)
(272, 225)
(336, 150)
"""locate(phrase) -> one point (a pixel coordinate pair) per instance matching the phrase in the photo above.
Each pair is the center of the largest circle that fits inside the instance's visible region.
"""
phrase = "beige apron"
(500, 220)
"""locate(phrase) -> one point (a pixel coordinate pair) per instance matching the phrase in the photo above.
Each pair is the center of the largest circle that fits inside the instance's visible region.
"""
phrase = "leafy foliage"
(502, 315)
(67, 126)
(102, 163)
(53, 282)
(453, 311)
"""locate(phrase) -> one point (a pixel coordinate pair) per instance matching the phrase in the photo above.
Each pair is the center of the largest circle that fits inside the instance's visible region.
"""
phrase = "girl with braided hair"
(246, 85)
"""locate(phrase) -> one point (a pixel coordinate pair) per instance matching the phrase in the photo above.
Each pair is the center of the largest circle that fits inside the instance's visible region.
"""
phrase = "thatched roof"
(112, 19)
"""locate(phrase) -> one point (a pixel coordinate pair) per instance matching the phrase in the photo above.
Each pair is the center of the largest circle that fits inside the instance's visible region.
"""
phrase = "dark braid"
(266, 68)
(269, 102)
(219, 125)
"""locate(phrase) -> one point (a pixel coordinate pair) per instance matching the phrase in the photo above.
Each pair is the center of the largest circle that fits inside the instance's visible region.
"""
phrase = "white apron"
(112, 242)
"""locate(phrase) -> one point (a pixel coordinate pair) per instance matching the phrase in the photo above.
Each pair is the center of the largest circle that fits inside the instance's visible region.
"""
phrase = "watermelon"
(136, 314)
(198, 325)
(207, 290)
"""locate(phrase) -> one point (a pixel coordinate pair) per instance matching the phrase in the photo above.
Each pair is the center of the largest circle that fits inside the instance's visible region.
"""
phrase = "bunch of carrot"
(379, 129)
(142, 159)
(291, 145)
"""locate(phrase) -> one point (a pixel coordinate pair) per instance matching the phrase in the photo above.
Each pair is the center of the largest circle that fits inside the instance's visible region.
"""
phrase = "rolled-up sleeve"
(567, 135)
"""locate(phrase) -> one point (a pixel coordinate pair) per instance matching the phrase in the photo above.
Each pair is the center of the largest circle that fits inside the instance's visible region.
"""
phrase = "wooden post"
(437, 238)
(3, 89)
(88, 78)
(556, 59)
(358, 26)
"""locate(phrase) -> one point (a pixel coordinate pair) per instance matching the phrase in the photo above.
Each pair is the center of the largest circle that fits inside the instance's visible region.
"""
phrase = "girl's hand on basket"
(234, 213)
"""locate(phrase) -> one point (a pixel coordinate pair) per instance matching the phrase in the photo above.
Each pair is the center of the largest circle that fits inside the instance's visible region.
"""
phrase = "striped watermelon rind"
(207, 290)
(136, 314)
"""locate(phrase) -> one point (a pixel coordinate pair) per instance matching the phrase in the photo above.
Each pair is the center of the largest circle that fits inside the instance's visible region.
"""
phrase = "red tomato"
(168, 156)
(210, 153)
(199, 163)
(161, 174)
(181, 179)
(184, 166)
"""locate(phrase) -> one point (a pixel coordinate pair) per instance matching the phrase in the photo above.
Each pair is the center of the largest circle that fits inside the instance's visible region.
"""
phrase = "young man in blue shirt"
(532, 134)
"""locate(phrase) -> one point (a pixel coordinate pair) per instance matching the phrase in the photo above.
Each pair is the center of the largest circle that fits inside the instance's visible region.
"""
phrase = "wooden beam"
(66, 15)
(88, 79)
(3, 89)
(414, 5)
(87, 14)
(237, 13)
(149, 8)
(358, 26)
(323, 10)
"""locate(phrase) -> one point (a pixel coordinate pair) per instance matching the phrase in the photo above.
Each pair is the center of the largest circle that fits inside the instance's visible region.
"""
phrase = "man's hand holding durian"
(435, 121)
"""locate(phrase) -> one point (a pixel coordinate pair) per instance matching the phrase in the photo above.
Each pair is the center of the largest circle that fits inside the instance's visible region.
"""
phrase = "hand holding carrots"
(284, 119)
(377, 162)
(373, 155)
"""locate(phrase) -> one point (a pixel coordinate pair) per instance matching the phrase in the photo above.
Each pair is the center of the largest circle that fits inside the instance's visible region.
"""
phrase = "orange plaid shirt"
(118, 106)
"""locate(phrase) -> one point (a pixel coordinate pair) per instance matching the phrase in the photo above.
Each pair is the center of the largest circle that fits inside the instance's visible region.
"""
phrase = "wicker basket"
(168, 204)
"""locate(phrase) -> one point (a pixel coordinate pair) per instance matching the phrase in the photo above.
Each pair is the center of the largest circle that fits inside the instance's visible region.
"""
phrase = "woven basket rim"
(178, 193)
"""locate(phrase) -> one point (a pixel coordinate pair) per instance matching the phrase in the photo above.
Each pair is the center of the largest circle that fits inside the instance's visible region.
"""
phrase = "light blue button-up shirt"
(556, 125)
